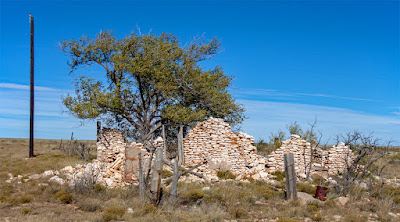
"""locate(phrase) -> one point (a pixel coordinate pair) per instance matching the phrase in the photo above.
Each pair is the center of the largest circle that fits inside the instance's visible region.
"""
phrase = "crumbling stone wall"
(213, 141)
(325, 162)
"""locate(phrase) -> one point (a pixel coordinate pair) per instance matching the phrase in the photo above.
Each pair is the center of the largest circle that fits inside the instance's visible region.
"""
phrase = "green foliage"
(277, 138)
(306, 187)
(151, 80)
(166, 173)
(225, 174)
(113, 213)
(279, 175)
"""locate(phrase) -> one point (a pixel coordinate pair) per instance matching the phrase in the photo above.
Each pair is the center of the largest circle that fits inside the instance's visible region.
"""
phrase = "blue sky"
(291, 60)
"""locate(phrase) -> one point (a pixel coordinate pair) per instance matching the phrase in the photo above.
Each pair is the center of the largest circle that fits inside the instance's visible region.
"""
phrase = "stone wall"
(213, 141)
(325, 162)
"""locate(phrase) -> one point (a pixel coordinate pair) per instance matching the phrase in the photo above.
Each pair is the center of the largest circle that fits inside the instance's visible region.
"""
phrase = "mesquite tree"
(149, 80)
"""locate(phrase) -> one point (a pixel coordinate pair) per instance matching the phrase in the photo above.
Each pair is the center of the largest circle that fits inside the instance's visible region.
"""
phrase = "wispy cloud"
(265, 117)
(334, 97)
(271, 93)
(25, 87)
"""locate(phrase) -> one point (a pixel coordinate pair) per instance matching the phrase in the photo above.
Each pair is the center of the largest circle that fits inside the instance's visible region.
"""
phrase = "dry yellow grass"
(35, 201)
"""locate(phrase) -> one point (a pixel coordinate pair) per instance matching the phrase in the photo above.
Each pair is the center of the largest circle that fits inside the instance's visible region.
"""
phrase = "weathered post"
(156, 177)
(98, 130)
(71, 151)
(180, 146)
(165, 159)
(291, 188)
(141, 178)
(175, 180)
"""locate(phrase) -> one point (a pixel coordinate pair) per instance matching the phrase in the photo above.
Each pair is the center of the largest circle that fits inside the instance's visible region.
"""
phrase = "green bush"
(306, 188)
(279, 175)
(225, 174)
(238, 212)
(113, 213)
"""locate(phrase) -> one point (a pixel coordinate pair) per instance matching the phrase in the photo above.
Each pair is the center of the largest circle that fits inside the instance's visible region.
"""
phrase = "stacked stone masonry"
(324, 162)
(214, 142)
(211, 141)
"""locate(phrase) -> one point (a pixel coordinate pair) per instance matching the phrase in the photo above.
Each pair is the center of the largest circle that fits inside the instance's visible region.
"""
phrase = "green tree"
(150, 80)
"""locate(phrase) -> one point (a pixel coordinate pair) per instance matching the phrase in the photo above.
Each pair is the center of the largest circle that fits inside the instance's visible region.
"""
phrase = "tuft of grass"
(225, 174)
(286, 219)
(26, 210)
(113, 213)
(25, 200)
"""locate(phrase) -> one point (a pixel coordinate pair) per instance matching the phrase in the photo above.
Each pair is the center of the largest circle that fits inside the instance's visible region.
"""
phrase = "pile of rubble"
(214, 142)
(324, 162)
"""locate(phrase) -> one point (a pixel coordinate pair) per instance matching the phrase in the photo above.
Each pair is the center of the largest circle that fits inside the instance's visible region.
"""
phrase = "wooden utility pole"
(32, 90)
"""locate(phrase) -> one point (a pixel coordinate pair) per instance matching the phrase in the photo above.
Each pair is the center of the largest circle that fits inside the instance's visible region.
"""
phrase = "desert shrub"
(319, 181)
(26, 210)
(317, 217)
(306, 187)
(352, 216)
(148, 209)
(89, 204)
(311, 207)
(25, 200)
(279, 175)
(193, 195)
(166, 173)
(64, 196)
(286, 219)
(397, 200)
(113, 213)
(238, 212)
(225, 174)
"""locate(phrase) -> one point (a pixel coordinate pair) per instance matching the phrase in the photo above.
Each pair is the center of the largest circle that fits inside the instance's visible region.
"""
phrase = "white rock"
(205, 188)
(34, 177)
(48, 173)
(129, 210)
(57, 179)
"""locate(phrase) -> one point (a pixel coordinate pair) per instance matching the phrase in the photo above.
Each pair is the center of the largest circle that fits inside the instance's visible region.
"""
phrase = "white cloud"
(25, 87)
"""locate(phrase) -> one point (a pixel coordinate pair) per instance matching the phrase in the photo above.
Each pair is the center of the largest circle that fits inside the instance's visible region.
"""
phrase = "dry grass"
(36, 200)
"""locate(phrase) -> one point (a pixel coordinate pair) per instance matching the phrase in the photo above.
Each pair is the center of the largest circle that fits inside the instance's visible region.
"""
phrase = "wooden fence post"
(156, 177)
(98, 130)
(141, 177)
(291, 188)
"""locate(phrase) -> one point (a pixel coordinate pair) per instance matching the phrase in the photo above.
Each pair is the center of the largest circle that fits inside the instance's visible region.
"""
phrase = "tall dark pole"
(32, 90)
